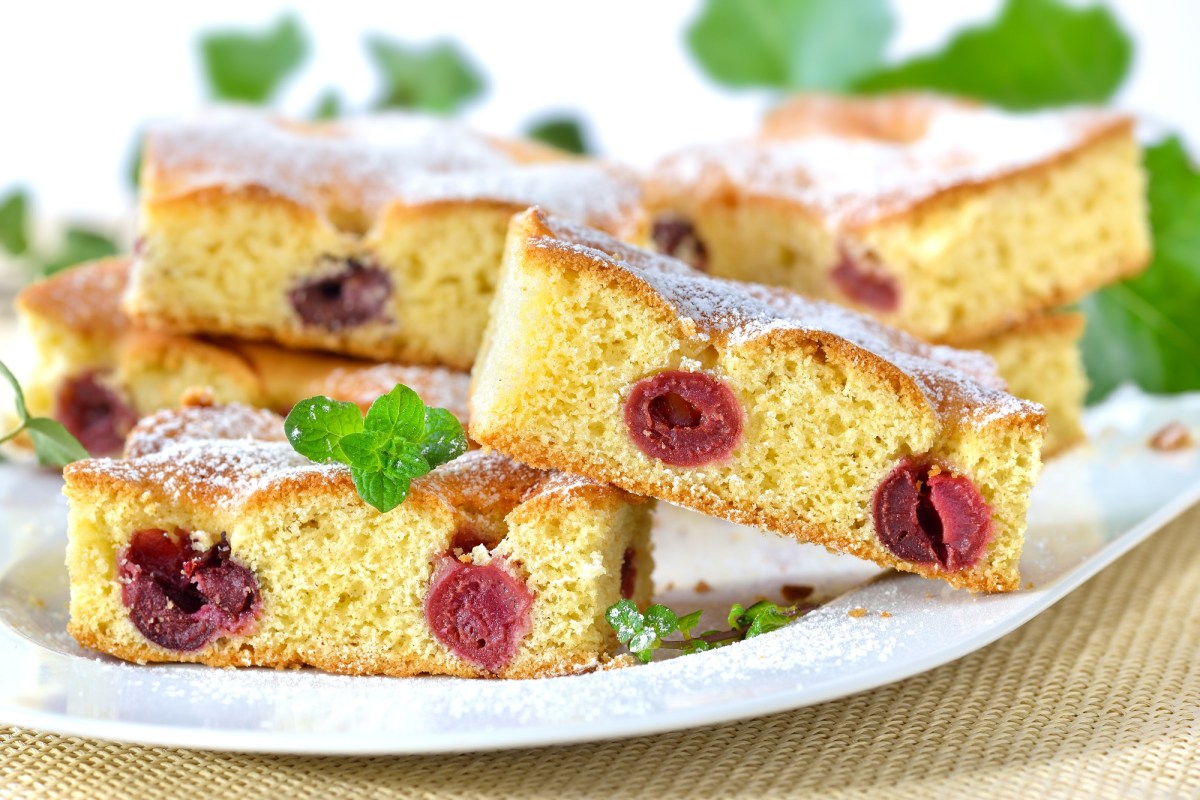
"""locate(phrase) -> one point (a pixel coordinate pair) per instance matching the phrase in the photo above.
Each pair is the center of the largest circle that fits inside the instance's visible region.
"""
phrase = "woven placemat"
(1098, 697)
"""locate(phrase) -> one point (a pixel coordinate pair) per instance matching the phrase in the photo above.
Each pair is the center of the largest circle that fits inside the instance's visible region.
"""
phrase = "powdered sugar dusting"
(438, 387)
(851, 180)
(373, 161)
(960, 384)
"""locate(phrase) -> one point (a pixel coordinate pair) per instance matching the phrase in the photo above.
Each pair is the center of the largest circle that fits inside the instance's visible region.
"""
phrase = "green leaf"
(734, 618)
(1147, 329)
(79, 245)
(54, 445)
(792, 44)
(18, 395)
(250, 67)
(624, 618)
(686, 623)
(643, 644)
(364, 450)
(383, 489)
(563, 132)
(661, 620)
(405, 458)
(1035, 54)
(436, 78)
(399, 414)
(329, 106)
(316, 427)
(763, 617)
(14, 222)
(444, 440)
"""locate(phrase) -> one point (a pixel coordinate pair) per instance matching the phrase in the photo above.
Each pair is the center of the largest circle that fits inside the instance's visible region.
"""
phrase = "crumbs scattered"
(702, 587)
(793, 592)
(885, 614)
(1029, 585)
(1172, 436)
(857, 613)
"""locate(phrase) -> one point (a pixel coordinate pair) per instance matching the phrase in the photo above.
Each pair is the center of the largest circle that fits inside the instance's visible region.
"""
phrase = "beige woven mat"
(1096, 698)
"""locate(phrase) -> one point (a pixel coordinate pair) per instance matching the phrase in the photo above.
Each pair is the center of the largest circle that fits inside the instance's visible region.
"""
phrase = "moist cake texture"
(216, 543)
(98, 372)
(363, 236)
(754, 404)
(950, 221)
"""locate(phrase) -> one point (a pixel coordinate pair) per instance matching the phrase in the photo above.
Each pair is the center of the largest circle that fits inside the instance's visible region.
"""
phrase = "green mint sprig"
(251, 66)
(53, 444)
(399, 439)
(645, 632)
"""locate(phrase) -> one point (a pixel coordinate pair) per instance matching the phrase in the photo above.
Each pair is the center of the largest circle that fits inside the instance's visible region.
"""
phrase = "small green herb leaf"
(436, 78)
(79, 245)
(661, 620)
(399, 440)
(793, 44)
(399, 414)
(1035, 54)
(14, 222)
(18, 395)
(1146, 329)
(317, 426)
(762, 617)
(563, 132)
(250, 67)
(52, 443)
(687, 622)
(383, 489)
(625, 619)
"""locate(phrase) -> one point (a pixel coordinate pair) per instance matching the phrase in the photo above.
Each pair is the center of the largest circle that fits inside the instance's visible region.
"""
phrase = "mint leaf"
(399, 440)
(53, 444)
(563, 132)
(625, 619)
(436, 78)
(763, 617)
(444, 438)
(643, 644)
(316, 427)
(1146, 329)
(1036, 53)
(686, 623)
(399, 414)
(383, 489)
(79, 245)
(18, 395)
(793, 44)
(661, 620)
(14, 222)
(250, 67)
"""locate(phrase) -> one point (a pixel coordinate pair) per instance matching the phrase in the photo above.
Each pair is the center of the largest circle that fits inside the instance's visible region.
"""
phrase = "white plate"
(1089, 507)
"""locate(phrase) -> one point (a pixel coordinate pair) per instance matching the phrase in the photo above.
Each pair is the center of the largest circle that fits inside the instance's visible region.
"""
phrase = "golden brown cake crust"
(85, 299)
(962, 387)
(970, 151)
(358, 167)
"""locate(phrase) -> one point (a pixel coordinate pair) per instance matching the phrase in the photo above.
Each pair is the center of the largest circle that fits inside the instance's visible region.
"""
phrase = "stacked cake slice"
(960, 224)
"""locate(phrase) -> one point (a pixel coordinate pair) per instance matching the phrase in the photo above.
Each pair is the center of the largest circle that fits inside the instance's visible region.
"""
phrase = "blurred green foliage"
(562, 131)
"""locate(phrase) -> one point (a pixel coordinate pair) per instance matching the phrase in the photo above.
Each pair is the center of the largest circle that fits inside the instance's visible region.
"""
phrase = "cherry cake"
(377, 236)
(98, 372)
(754, 404)
(214, 542)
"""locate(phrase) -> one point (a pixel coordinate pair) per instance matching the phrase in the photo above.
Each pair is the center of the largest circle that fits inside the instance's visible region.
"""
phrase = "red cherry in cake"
(94, 413)
(480, 613)
(676, 237)
(868, 287)
(356, 295)
(181, 598)
(628, 574)
(929, 516)
(685, 419)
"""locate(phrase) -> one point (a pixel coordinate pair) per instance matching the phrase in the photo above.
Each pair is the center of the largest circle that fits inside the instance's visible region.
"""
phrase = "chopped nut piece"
(857, 613)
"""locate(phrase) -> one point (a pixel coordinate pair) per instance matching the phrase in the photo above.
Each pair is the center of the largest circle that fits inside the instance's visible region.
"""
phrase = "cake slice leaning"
(215, 543)
(754, 404)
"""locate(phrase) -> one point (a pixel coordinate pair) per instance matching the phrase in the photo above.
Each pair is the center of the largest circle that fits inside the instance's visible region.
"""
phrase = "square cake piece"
(216, 543)
(754, 404)
(376, 236)
(98, 372)
(948, 220)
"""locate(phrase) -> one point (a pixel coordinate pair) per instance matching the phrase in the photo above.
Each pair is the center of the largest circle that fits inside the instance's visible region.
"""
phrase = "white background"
(78, 78)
